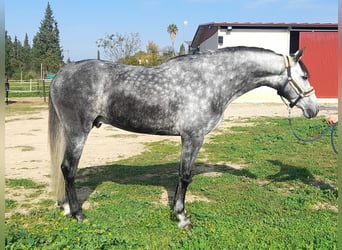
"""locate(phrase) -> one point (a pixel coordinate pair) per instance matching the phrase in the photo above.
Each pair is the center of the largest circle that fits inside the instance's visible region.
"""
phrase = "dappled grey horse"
(186, 96)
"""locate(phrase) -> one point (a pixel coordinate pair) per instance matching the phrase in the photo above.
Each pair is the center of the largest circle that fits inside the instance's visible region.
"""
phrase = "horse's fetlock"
(178, 207)
(186, 179)
(67, 210)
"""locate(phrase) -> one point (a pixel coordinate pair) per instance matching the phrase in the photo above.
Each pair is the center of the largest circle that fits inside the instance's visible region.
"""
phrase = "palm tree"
(172, 30)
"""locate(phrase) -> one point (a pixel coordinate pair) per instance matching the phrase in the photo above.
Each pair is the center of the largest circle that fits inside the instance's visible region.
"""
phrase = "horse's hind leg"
(69, 165)
(190, 148)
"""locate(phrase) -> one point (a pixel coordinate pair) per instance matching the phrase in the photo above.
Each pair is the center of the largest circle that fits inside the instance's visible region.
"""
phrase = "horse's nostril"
(317, 110)
(311, 113)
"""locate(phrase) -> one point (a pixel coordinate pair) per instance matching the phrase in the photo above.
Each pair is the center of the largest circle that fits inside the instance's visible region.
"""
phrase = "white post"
(30, 85)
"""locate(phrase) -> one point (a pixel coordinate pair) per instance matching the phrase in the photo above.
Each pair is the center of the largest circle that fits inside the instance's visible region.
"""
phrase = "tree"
(117, 46)
(149, 58)
(153, 54)
(8, 54)
(167, 52)
(172, 30)
(46, 48)
(16, 58)
(26, 55)
(182, 49)
(152, 48)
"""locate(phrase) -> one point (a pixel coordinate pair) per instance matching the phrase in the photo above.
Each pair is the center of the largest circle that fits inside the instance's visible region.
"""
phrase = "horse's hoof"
(80, 217)
(188, 226)
(185, 224)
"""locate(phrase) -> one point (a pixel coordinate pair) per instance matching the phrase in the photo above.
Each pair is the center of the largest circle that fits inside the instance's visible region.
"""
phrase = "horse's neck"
(251, 70)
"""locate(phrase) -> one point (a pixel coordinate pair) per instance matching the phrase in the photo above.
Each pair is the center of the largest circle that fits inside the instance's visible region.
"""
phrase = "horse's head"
(297, 89)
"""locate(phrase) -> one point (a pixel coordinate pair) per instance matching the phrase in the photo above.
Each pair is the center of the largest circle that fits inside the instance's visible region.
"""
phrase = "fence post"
(38, 90)
(30, 85)
(44, 90)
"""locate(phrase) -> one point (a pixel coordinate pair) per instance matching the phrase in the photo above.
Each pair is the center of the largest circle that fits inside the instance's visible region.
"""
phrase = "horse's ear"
(298, 55)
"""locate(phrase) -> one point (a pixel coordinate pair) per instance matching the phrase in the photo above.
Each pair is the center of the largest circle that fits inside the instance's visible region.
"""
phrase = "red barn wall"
(320, 57)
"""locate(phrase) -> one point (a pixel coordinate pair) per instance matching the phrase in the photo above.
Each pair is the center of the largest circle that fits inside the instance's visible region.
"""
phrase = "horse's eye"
(305, 77)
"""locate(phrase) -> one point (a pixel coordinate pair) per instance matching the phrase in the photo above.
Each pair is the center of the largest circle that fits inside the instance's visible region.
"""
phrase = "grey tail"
(57, 150)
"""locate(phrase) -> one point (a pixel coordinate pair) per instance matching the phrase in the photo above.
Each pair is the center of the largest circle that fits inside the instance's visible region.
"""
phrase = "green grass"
(26, 183)
(9, 203)
(283, 197)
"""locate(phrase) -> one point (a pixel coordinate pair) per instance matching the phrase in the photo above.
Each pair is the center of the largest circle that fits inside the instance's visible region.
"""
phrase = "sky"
(82, 22)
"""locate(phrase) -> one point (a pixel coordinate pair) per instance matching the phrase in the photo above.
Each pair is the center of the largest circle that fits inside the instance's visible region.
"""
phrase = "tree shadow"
(163, 175)
(288, 173)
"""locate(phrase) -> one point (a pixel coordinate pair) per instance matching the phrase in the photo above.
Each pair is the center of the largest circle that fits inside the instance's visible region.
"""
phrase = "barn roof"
(204, 31)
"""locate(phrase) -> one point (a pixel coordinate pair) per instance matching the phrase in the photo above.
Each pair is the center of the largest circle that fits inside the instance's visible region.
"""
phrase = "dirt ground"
(26, 144)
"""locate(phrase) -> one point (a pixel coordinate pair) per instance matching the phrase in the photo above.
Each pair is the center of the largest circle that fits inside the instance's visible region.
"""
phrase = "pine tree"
(8, 54)
(46, 49)
(26, 55)
(182, 49)
(16, 58)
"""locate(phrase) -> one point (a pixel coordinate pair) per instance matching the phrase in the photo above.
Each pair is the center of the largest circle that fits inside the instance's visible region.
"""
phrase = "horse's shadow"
(164, 175)
(288, 172)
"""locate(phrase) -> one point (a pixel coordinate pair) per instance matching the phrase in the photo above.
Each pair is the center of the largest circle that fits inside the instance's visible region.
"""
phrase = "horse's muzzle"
(311, 113)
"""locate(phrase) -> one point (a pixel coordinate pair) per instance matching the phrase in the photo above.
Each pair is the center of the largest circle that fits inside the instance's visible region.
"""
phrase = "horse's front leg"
(190, 148)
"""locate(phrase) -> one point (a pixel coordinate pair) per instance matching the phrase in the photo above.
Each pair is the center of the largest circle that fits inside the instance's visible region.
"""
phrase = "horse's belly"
(145, 127)
(143, 114)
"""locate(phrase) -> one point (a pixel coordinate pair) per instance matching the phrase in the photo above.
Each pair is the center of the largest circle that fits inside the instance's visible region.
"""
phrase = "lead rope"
(331, 128)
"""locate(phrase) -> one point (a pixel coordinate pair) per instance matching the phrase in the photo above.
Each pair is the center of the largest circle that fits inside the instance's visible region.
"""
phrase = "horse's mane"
(196, 54)
(244, 48)
(304, 68)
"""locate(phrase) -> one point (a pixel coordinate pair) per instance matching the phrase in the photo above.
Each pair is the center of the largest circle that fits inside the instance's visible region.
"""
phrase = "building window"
(220, 40)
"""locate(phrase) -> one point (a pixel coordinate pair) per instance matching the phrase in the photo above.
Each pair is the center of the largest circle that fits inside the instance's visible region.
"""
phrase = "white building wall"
(276, 40)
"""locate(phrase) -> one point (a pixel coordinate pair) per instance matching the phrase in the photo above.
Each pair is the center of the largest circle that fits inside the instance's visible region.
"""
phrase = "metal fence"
(32, 88)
